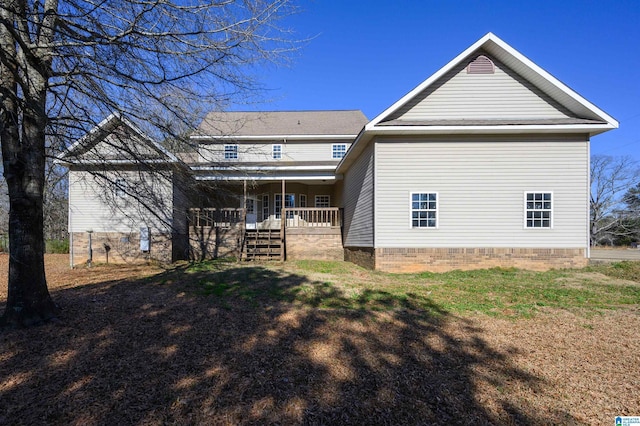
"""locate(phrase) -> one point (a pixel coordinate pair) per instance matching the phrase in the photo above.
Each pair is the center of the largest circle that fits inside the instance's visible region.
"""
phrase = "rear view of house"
(485, 163)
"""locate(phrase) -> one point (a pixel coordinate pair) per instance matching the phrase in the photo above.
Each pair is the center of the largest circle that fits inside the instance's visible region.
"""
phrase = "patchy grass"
(340, 285)
(323, 343)
(624, 270)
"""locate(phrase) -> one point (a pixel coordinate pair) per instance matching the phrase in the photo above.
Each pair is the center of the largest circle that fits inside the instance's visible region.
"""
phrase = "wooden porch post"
(243, 218)
(282, 223)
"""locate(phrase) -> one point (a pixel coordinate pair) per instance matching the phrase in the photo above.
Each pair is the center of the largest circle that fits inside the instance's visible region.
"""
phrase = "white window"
(539, 209)
(338, 150)
(289, 203)
(120, 188)
(276, 151)
(231, 152)
(303, 200)
(323, 201)
(424, 210)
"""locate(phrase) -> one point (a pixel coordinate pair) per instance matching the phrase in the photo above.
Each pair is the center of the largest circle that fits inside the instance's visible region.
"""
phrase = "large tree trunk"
(22, 132)
(28, 299)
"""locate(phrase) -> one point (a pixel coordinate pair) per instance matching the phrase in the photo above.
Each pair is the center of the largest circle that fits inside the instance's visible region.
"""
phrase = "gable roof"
(580, 115)
(281, 125)
(117, 133)
(518, 63)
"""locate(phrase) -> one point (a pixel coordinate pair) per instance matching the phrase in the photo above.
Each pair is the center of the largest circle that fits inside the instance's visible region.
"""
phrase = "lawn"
(325, 343)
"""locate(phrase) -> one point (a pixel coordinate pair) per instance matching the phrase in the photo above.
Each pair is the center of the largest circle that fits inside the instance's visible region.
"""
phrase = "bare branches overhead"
(67, 64)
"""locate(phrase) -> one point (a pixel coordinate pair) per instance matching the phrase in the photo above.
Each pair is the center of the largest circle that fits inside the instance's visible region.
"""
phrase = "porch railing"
(212, 217)
(298, 217)
(310, 217)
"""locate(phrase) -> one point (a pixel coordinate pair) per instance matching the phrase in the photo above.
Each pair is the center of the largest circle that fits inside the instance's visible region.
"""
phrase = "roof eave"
(500, 49)
(238, 177)
(591, 129)
(104, 126)
(231, 167)
(270, 137)
(67, 163)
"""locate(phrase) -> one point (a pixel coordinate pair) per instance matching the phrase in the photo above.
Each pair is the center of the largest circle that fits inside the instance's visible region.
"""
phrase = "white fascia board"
(114, 162)
(504, 50)
(328, 178)
(273, 137)
(101, 126)
(592, 129)
(159, 147)
(548, 77)
(262, 168)
(90, 133)
(434, 77)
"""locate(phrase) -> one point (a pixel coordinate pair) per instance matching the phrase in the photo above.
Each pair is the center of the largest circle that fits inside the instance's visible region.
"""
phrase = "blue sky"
(367, 54)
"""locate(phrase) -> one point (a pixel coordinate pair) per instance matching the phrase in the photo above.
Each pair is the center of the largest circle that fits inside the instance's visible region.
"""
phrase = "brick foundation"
(314, 243)
(124, 247)
(361, 256)
(406, 260)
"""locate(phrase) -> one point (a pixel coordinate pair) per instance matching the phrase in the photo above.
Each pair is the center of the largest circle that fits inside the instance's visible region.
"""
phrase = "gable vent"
(481, 65)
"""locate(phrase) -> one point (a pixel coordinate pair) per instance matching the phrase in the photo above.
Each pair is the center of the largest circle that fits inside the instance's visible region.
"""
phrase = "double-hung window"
(539, 209)
(231, 152)
(120, 188)
(424, 210)
(323, 201)
(289, 203)
(338, 150)
(276, 151)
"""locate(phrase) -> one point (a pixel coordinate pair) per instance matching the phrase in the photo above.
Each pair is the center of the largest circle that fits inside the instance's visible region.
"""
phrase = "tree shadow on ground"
(251, 345)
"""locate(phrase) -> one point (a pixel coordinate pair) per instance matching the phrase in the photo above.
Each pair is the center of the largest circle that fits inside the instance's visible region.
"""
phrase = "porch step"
(262, 244)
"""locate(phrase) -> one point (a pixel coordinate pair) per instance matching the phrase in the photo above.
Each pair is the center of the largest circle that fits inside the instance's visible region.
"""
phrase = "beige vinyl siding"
(262, 152)
(93, 204)
(503, 95)
(481, 186)
(121, 145)
(358, 201)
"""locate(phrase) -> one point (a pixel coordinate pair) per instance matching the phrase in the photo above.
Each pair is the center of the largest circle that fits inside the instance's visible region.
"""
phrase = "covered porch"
(286, 219)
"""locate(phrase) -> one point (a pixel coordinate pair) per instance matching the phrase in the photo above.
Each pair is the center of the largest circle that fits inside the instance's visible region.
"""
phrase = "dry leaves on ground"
(136, 350)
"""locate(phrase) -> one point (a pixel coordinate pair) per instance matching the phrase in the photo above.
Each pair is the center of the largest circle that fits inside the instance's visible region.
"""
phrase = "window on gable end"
(481, 65)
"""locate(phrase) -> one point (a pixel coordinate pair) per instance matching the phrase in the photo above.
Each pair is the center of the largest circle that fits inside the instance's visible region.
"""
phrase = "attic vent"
(481, 65)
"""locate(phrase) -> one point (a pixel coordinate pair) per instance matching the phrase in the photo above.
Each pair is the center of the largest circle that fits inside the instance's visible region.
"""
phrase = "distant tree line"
(615, 201)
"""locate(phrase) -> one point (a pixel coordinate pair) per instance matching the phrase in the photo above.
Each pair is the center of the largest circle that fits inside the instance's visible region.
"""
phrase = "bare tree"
(64, 63)
(611, 178)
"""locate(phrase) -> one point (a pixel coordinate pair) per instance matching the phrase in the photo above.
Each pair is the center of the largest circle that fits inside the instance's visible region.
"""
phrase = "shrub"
(57, 246)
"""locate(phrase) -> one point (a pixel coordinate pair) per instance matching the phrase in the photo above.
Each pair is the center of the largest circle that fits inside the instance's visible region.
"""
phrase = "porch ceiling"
(318, 179)
(312, 174)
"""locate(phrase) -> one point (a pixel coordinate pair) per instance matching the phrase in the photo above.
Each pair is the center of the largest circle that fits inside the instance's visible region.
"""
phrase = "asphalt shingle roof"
(270, 123)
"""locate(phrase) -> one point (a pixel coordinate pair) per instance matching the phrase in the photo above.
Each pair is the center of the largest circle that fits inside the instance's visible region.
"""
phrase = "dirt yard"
(136, 346)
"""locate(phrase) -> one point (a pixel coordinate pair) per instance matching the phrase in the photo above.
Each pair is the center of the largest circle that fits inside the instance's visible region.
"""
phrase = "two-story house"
(485, 163)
